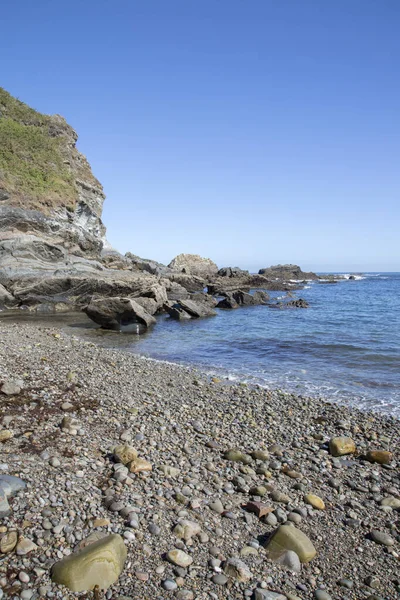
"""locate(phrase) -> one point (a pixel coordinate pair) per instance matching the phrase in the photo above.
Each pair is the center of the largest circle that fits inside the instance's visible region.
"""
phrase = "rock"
(9, 486)
(290, 538)
(287, 273)
(237, 569)
(7, 300)
(8, 542)
(193, 264)
(179, 558)
(380, 537)
(322, 595)
(114, 313)
(5, 435)
(25, 546)
(188, 309)
(260, 594)
(196, 309)
(232, 272)
(217, 506)
(299, 303)
(175, 312)
(12, 388)
(258, 508)
(169, 584)
(237, 456)
(70, 425)
(99, 564)
(315, 501)
(339, 446)
(170, 471)
(382, 457)
(139, 465)
(219, 579)
(258, 490)
(260, 455)
(391, 501)
(100, 522)
(278, 496)
(185, 530)
(125, 454)
(290, 560)
(228, 302)
(241, 298)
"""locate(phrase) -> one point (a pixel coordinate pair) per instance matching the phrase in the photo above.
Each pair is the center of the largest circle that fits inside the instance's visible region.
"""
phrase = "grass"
(32, 163)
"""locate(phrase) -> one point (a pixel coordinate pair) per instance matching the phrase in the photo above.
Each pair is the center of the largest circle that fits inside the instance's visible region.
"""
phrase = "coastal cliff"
(53, 249)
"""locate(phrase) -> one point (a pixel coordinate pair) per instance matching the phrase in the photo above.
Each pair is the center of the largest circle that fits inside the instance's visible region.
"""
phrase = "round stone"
(219, 579)
(380, 537)
(169, 584)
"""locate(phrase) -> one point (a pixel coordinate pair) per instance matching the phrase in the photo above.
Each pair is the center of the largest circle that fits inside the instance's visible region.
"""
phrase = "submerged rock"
(99, 564)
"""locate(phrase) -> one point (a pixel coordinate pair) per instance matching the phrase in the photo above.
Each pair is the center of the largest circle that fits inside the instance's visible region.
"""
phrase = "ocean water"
(345, 347)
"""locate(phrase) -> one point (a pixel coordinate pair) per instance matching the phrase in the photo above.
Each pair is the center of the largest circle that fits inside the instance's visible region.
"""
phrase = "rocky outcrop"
(114, 313)
(188, 309)
(222, 285)
(193, 264)
(46, 185)
(286, 273)
(232, 272)
(241, 298)
(53, 250)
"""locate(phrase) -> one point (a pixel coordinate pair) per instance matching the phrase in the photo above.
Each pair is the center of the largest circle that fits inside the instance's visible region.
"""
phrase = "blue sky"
(253, 132)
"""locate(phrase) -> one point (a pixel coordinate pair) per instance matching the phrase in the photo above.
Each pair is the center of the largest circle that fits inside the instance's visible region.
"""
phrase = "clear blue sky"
(249, 131)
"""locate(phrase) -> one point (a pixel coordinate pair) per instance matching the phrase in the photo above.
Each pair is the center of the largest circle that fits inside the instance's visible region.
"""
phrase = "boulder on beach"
(98, 564)
(290, 538)
(112, 313)
(340, 446)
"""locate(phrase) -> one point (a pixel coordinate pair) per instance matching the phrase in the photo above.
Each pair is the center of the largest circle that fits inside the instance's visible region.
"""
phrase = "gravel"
(213, 448)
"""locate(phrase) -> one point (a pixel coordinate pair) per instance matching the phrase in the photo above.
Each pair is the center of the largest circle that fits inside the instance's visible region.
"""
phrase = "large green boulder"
(100, 564)
(290, 538)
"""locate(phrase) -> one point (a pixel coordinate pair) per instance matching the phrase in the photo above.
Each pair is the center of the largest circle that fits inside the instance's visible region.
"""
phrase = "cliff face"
(46, 185)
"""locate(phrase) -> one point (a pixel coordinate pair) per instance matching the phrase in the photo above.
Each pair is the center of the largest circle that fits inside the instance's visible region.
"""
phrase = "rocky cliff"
(46, 185)
(53, 250)
(51, 233)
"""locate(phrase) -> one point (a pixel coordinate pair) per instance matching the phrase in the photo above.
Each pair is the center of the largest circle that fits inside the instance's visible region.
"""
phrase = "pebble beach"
(189, 477)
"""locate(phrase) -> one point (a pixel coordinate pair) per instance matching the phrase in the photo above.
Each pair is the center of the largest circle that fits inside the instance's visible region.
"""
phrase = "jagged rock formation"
(47, 187)
(53, 250)
(193, 264)
(286, 273)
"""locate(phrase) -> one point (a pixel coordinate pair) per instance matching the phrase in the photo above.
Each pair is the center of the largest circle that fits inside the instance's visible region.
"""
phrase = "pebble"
(322, 595)
(380, 537)
(169, 584)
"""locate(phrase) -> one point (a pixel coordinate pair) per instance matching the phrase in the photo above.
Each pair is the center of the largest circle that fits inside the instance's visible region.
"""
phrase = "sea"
(344, 348)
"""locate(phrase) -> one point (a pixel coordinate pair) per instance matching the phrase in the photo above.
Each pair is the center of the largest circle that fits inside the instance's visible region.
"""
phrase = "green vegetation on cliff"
(34, 156)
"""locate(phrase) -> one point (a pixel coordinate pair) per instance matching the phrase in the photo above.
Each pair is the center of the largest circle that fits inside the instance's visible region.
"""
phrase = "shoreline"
(180, 417)
(87, 332)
